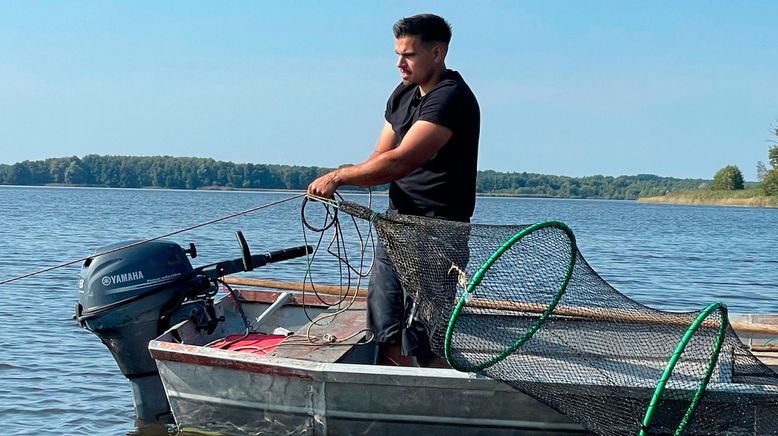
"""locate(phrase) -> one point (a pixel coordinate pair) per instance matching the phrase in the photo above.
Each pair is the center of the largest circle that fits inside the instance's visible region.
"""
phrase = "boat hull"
(210, 390)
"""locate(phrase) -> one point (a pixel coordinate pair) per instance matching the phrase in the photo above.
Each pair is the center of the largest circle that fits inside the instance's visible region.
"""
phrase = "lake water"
(56, 378)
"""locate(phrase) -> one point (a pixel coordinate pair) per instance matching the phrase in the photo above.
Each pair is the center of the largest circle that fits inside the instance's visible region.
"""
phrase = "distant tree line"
(604, 187)
(156, 172)
(199, 173)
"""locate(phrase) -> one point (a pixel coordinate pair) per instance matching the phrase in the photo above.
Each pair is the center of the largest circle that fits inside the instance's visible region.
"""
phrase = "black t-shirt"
(444, 186)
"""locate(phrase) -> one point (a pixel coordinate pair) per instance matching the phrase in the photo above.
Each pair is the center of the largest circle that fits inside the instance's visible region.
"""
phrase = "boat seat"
(333, 337)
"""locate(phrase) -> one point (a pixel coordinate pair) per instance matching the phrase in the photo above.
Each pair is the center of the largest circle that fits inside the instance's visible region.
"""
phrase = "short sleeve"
(440, 105)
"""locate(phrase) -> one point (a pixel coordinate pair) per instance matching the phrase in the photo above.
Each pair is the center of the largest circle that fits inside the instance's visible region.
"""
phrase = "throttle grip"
(288, 253)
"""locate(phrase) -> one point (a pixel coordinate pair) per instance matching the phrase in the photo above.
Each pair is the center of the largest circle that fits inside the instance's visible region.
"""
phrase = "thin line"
(175, 232)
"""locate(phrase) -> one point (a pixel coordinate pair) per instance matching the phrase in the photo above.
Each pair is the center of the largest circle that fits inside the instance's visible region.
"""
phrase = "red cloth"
(252, 343)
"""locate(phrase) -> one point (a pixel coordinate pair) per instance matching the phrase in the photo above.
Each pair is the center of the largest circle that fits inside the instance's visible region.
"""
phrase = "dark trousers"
(388, 310)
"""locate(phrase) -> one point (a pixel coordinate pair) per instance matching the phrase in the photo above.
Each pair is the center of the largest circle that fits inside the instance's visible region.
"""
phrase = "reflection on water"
(56, 378)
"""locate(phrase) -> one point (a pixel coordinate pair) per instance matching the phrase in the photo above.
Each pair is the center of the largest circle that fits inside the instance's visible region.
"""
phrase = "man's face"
(415, 60)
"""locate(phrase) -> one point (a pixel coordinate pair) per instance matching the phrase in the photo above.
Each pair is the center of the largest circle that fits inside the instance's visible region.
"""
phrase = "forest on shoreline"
(205, 173)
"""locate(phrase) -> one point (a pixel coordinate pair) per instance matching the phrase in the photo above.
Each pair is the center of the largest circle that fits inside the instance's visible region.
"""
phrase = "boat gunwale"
(341, 372)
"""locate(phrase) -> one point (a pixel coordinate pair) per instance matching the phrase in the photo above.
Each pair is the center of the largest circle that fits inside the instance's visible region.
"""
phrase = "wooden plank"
(296, 299)
(328, 342)
(769, 358)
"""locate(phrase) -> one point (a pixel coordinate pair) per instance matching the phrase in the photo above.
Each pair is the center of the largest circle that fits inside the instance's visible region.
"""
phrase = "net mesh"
(521, 305)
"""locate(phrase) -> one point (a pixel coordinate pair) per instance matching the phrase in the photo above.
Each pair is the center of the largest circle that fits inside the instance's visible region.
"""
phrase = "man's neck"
(427, 87)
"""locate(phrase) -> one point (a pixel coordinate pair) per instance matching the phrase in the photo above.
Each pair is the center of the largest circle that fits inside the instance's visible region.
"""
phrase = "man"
(427, 149)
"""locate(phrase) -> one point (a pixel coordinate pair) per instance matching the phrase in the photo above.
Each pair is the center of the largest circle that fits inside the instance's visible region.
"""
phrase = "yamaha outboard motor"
(126, 297)
(131, 292)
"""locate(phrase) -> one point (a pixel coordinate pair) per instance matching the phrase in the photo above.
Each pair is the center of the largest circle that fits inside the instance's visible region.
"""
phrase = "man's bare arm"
(385, 141)
(421, 143)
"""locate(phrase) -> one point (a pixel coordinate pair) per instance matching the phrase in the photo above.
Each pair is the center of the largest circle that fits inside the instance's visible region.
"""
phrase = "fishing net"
(521, 305)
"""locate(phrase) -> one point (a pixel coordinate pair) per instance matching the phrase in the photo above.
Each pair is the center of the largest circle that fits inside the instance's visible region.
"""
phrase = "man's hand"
(325, 185)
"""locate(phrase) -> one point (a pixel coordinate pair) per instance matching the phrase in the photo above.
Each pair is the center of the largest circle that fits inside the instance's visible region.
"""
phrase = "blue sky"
(566, 87)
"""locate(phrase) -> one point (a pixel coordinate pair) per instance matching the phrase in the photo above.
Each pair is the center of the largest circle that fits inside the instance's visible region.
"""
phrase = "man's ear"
(439, 52)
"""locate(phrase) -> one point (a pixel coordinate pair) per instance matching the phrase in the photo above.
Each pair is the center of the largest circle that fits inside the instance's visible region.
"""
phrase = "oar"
(560, 310)
(295, 286)
(618, 315)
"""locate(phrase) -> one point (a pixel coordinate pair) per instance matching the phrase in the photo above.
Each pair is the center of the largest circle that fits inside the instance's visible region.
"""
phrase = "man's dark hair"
(428, 27)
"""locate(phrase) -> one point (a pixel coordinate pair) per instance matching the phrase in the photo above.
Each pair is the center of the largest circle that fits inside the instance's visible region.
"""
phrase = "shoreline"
(299, 191)
(760, 202)
(677, 198)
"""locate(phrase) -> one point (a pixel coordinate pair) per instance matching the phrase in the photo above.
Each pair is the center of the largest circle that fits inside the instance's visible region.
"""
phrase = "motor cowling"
(117, 277)
(126, 297)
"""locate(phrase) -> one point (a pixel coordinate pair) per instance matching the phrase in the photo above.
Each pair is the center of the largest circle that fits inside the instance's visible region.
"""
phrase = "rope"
(337, 248)
(145, 241)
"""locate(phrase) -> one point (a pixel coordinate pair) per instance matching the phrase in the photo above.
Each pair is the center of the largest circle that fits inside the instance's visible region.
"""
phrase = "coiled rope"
(350, 276)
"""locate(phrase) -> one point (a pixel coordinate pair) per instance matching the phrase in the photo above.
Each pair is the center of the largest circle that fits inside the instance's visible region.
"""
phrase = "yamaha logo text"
(122, 278)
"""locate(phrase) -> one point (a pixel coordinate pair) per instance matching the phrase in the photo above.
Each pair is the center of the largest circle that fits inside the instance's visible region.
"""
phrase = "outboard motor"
(125, 298)
(129, 296)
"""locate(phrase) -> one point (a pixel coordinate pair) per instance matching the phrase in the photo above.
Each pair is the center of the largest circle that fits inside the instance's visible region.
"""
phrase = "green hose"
(714, 357)
(476, 280)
